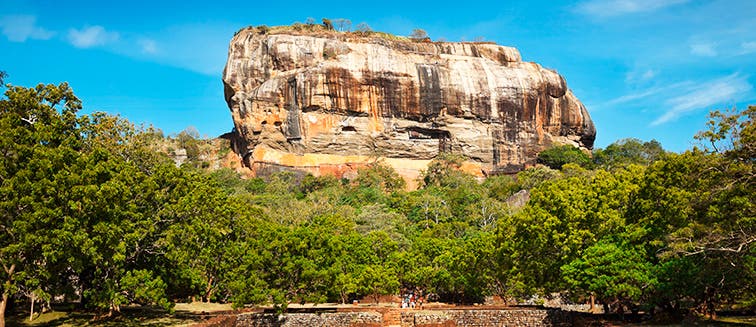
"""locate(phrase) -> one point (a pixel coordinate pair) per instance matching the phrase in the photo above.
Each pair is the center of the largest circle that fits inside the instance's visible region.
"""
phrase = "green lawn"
(186, 314)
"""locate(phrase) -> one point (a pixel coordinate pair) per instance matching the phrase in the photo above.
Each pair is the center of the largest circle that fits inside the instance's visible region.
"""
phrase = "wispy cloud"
(610, 8)
(747, 47)
(91, 36)
(19, 28)
(648, 93)
(704, 49)
(634, 96)
(705, 95)
(200, 48)
(640, 75)
(148, 46)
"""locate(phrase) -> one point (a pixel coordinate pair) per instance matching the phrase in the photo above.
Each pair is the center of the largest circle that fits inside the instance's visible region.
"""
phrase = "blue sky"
(649, 69)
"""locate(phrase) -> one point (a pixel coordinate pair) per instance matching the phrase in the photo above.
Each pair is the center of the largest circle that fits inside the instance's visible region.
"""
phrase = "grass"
(741, 321)
(731, 321)
(185, 314)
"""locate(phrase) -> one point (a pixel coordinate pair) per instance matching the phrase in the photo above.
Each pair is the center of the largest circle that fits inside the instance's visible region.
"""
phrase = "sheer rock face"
(330, 103)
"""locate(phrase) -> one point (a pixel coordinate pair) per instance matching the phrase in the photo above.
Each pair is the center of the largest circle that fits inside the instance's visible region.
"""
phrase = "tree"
(730, 205)
(39, 141)
(380, 176)
(379, 218)
(425, 264)
(123, 216)
(83, 202)
(563, 218)
(418, 34)
(327, 24)
(203, 220)
(189, 140)
(363, 28)
(612, 272)
(501, 187)
(342, 24)
(379, 279)
(429, 208)
(706, 197)
(558, 156)
(535, 176)
(350, 254)
(470, 263)
(444, 171)
(628, 151)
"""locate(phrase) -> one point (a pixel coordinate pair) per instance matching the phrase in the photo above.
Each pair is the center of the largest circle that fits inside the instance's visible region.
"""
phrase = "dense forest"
(91, 212)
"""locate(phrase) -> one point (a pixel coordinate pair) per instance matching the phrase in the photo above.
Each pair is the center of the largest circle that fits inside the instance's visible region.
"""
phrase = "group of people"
(412, 299)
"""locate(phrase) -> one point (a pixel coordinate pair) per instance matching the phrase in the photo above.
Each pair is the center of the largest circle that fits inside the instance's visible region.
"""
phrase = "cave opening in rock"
(443, 136)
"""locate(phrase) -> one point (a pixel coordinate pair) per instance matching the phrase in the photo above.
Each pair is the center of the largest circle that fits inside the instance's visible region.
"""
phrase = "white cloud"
(649, 93)
(149, 46)
(19, 28)
(640, 75)
(91, 36)
(201, 48)
(610, 8)
(747, 47)
(634, 96)
(705, 95)
(703, 49)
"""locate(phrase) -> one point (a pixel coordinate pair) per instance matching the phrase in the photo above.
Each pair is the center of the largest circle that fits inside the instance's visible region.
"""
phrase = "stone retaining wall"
(330, 319)
(420, 318)
(486, 318)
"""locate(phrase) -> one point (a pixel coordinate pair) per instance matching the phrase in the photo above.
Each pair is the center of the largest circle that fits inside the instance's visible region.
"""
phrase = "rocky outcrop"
(330, 102)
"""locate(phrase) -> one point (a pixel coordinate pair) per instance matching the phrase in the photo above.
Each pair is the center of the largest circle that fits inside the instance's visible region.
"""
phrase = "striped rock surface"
(328, 103)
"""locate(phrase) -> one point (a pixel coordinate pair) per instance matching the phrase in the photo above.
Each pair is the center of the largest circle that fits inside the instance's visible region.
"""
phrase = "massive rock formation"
(330, 102)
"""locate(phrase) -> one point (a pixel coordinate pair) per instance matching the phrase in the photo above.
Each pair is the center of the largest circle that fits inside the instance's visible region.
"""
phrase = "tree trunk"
(6, 295)
(593, 303)
(209, 290)
(115, 309)
(31, 310)
(3, 304)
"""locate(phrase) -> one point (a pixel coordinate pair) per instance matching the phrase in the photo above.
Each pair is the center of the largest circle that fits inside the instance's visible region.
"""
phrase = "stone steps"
(392, 318)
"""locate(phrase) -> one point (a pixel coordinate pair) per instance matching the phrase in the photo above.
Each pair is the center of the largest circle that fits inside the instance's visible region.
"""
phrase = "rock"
(519, 199)
(328, 103)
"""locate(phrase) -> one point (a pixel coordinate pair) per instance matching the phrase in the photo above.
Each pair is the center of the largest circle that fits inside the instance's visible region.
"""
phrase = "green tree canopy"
(558, 156)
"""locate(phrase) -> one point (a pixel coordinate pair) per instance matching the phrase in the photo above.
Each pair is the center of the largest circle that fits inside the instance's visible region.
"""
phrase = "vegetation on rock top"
(342, 28)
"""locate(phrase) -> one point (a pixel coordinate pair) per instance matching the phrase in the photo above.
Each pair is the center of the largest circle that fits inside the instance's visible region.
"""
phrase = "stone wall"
(330, 319)
(487, 318)
(408, 318)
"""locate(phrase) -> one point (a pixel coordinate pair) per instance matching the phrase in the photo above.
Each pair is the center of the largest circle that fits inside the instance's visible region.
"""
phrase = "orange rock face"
(329, 104)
